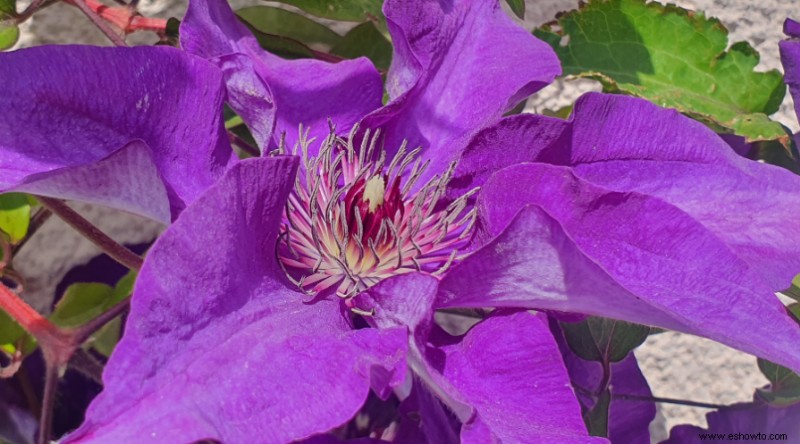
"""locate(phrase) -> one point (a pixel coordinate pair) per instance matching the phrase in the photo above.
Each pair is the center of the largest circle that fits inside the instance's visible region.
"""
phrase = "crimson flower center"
(353, 220)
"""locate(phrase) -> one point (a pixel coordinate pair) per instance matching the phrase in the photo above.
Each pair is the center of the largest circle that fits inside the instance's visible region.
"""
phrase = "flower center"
(352, 221)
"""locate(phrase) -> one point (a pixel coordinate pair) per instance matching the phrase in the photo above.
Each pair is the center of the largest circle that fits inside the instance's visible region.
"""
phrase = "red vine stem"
(102, 23)
(57, 345)
(23, 313)
(125, 17)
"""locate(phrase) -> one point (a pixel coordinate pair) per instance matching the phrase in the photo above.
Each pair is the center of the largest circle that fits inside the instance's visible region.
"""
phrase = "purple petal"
(754, 422)
(514, 359)
(791, 28)
(273, 93)
(628, 420)
(579, 247)
(330, 439)
(425, 420)
(790, 58)
(133, 128)
(748, 205)
(504, 379)
(219, 346)
(738, 143)
(110, 181)
(457, 66)
(628, 144)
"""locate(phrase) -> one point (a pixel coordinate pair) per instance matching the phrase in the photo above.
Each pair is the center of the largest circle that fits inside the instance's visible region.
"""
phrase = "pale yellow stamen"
(373, 192)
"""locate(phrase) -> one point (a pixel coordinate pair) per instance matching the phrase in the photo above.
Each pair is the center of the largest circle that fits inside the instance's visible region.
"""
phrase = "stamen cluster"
(352, 221)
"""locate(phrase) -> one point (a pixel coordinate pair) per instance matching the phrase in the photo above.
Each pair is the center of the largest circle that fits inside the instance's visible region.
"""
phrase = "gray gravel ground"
(676, 365)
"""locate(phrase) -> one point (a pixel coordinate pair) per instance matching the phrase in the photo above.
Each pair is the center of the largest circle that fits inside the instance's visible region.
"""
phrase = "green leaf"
(15, 215)
(13, 337)
(233, 122)
(603, 340)
(9, 33)
(794, 290)
(107, 337)
(784, 386)
(346, 10)
(84, 301)
(281, 22)
(124, 287)
(672, 57)
(562, 113)
(365, 40)
(81, 303)
(282, 46)
(10, 333)
(517, 7)
(8, 8)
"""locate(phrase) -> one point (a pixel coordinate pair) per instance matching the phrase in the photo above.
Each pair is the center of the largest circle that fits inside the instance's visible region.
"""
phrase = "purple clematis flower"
(138, 129)
(298, 284)
(322, 345)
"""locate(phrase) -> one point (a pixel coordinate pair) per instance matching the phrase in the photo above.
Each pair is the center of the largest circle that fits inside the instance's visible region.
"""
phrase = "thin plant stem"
(33, 7)
(48, 400)
(109, 246)
(241, 143)
(658, 399)
(86, 330)
(100, 23)
(626, 397)
(474, 313)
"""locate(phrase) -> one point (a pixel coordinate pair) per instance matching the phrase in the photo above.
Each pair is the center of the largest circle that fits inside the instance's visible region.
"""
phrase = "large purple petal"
(753, 422)
(270, 92)
(514, 358)
(790, 58)
(578, 247)
(219, 346)
(628, 144)
(457, 66)
(628, 419)
(504, 379)
(134, 128)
